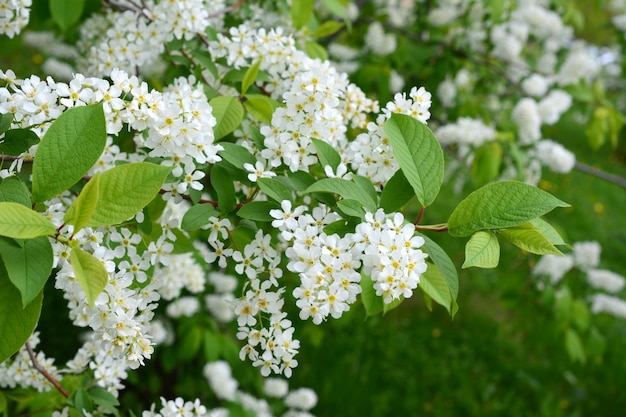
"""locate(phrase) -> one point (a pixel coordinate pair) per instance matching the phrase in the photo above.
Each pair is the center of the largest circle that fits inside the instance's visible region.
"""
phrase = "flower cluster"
(135, 37)
(19, 371)
(177, 123)
(14, 16)
(318, 100)
(328, 265)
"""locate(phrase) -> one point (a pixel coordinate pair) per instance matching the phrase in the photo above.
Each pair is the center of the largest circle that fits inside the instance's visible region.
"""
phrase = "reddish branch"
(45, 373)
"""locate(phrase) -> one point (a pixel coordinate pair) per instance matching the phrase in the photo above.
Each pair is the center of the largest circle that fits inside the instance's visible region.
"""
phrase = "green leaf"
(346, 189)
(66, 13)
(497, 8)
(28, 264)
(204, 58)
(123, 191)
(103, 398)
(300, 180)
(16, 322)
(326, 154)
(373, 304)
(18, 141)
(258, 210)
(80, 212)
(257, 137)
(395, 303)
(548, 231)
(441, 259)
(419, 154)
(21, 222)
(336, 7)
(250, 77)
(598, 127)
(301, 12)
(482, 250)
(365, 185)
(340, 227)
(315, 50)
(261, 107)
(198, 216)
(89, 272)
(351, 208)
(530, 240)
(12, 189)
(327, 28)
(81, 400)
(500, 205)
(79, 132)
(574, 346)
(397, 193)
(436, 287)
(486, 163)
(5, 123)
(228, 112)
(274, 189)
(580, 315)
(224, 187)
(616, 123)
(236, 155)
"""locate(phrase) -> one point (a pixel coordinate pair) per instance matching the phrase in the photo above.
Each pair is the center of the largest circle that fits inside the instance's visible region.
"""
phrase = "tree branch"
(45, 373)
(598, 173)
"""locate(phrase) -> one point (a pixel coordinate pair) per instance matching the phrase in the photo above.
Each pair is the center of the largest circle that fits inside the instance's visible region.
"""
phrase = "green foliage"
(274, 189)
(261, 107)
(117, 194)
(258, 210)
(397, 193)
(327, 155)
(66, 13)
(435, 285)
(345, 188)
(482, 250)
(28, 264)
(530, 239)
(236, 155)
(250, 77)
(17, 141)
(80, 132)
(89, 272)
(198, 216)
(500, 205)
(17, 322)
(419, 154)
(13, 189)
(21, 222)
(224, 187)
(228, 112)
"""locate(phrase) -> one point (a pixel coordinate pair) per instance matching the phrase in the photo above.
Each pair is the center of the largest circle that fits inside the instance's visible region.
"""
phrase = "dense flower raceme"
(174, 125)
(14, 16)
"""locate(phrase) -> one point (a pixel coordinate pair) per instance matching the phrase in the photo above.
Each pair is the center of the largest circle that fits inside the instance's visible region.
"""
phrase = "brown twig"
(45, 373)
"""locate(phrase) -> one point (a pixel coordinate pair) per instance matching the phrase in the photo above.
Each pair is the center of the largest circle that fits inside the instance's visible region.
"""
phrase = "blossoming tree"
(206, 159)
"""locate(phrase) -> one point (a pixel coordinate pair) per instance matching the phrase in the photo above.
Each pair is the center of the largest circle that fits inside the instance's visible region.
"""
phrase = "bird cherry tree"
(204, 162)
